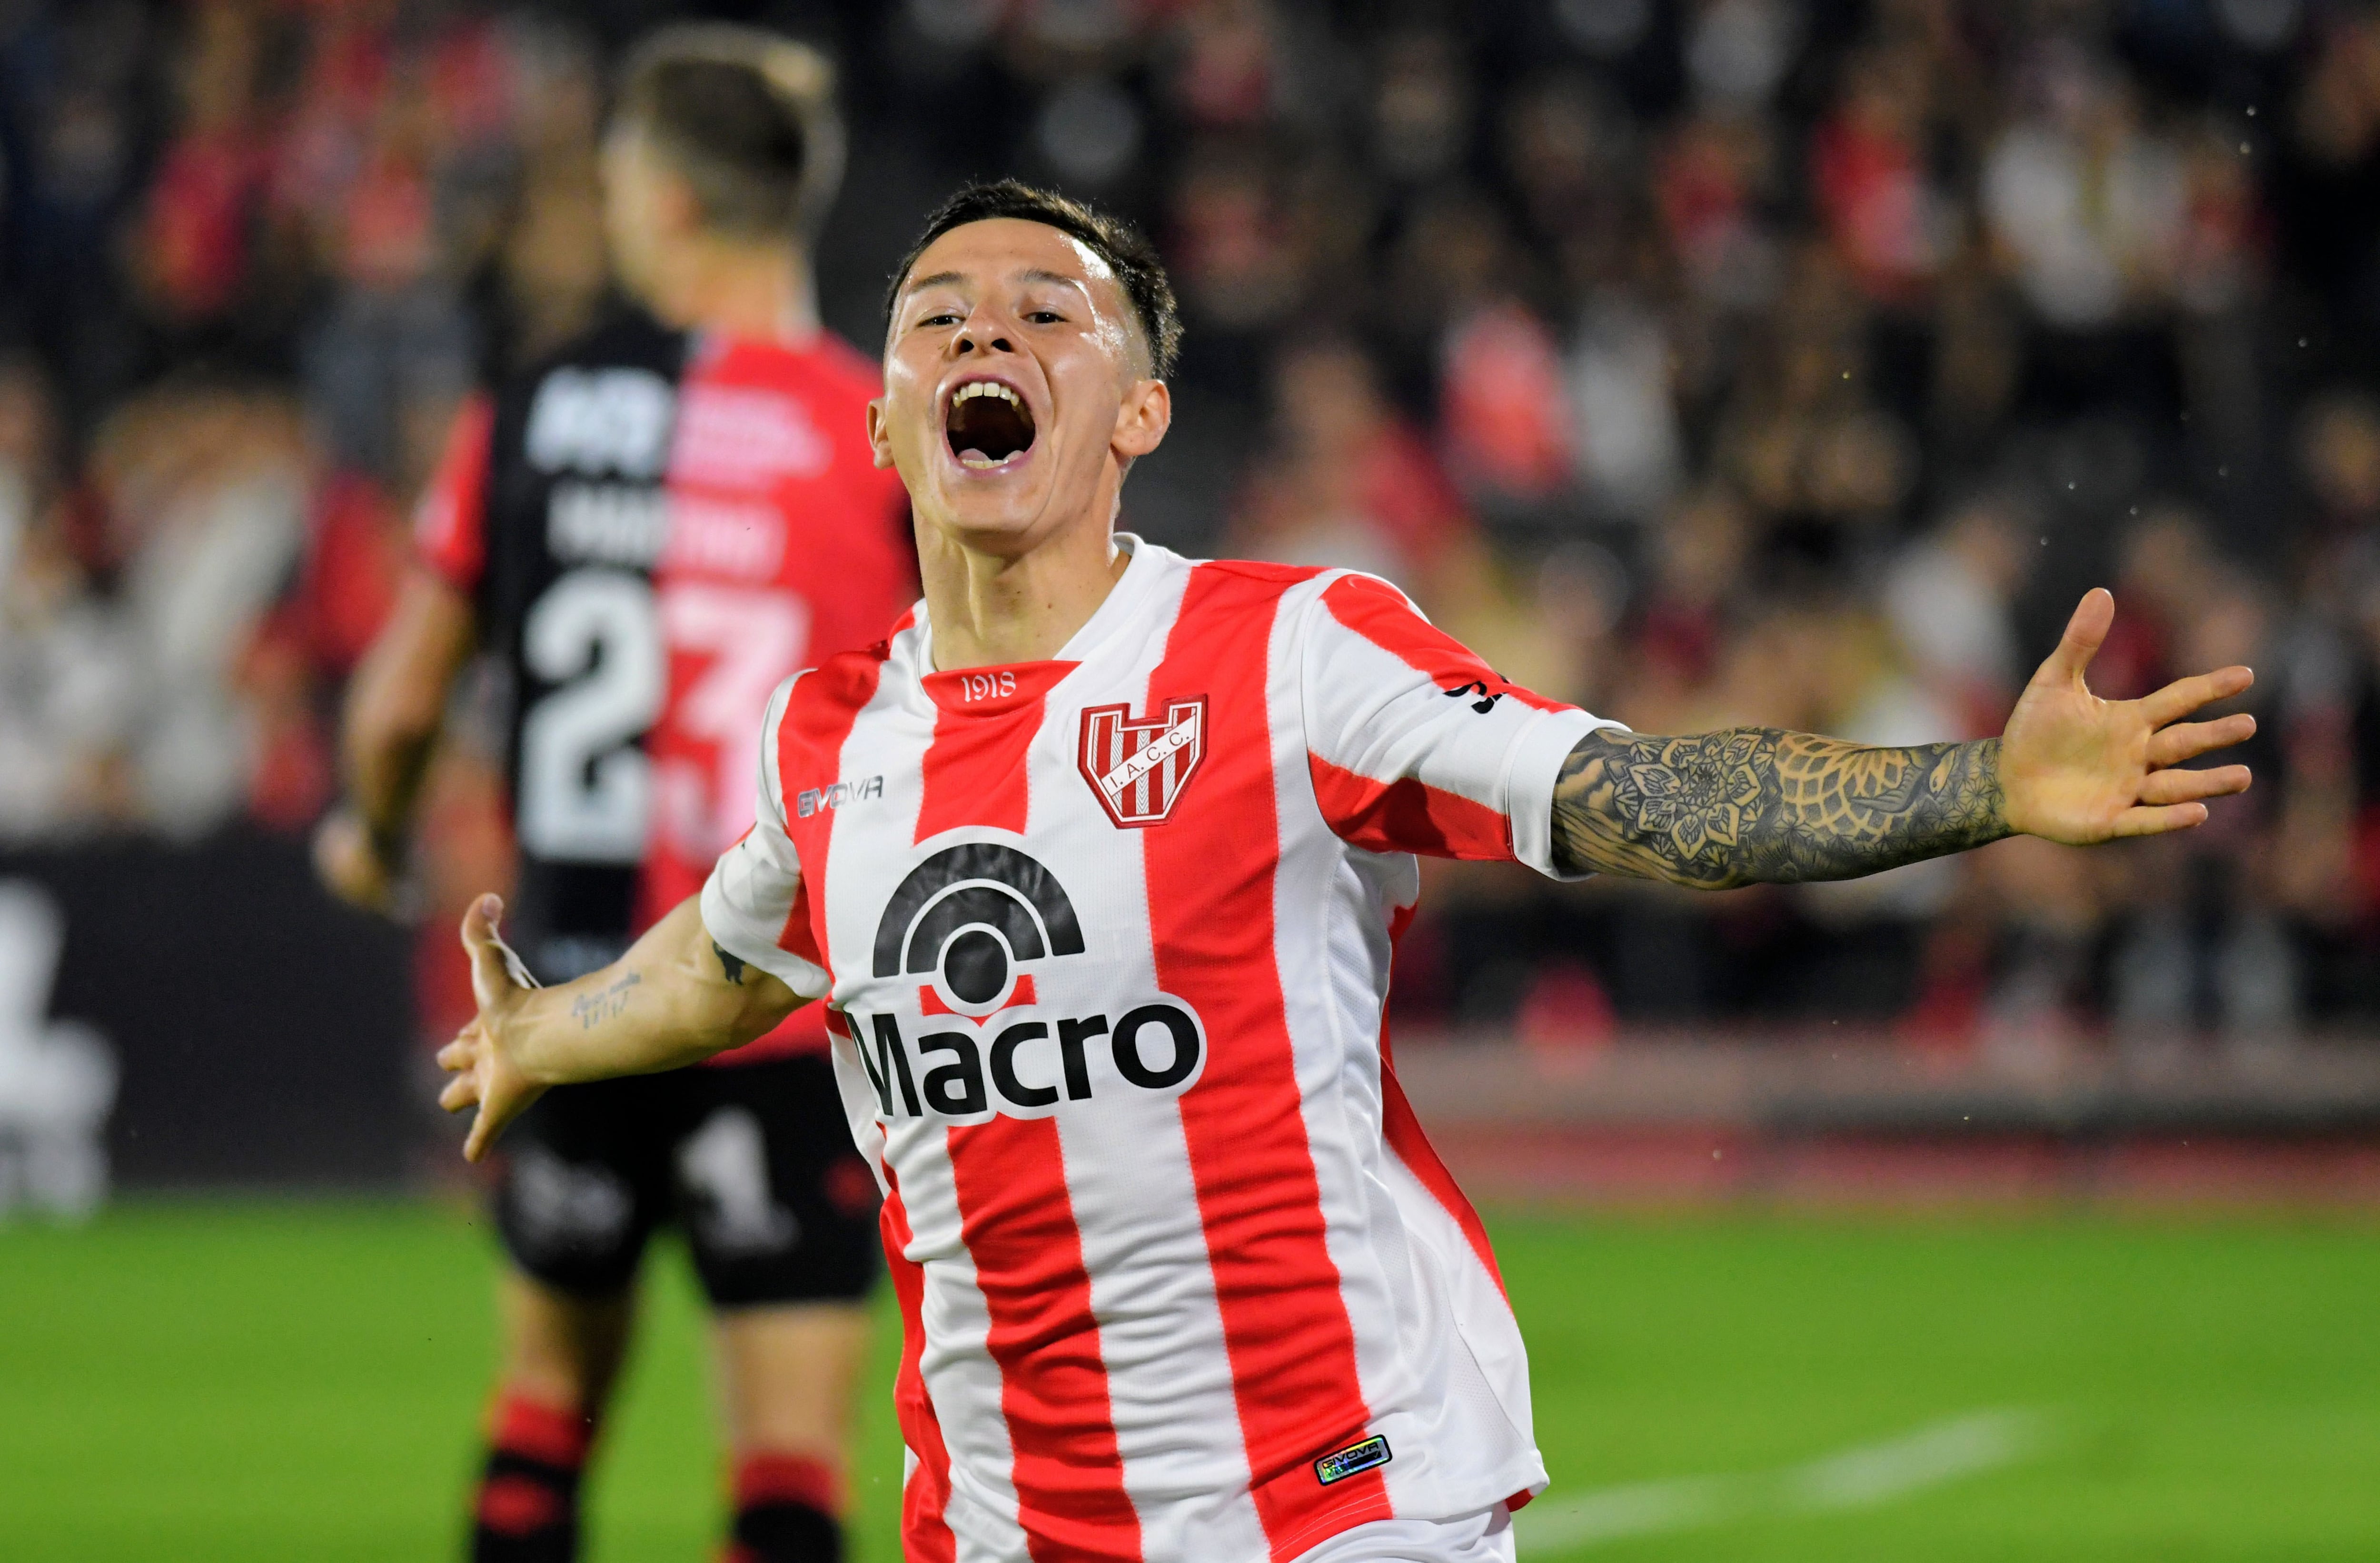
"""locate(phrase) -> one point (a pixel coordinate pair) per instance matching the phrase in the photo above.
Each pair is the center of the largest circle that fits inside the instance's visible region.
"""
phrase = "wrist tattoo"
(605, 1002)
(1755, 805)
(733, 965)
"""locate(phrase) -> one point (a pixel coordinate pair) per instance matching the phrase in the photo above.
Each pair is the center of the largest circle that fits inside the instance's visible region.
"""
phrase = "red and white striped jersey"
(1107, 941)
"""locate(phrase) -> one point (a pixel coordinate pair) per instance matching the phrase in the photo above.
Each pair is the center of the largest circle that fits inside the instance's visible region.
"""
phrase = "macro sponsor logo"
(977, 921)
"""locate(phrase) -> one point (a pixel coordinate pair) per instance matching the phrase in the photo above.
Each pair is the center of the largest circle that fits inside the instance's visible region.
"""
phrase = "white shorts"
(1475, 1538)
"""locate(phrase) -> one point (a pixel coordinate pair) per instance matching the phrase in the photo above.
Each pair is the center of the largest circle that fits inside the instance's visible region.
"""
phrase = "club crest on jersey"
(1137, 766)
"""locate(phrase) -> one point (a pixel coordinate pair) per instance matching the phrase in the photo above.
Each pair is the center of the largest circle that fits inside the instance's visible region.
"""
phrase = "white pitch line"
(1854, 1478)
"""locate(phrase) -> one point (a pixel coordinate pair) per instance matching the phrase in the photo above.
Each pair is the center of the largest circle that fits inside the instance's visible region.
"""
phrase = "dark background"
(264, 1032)
(1731, 362)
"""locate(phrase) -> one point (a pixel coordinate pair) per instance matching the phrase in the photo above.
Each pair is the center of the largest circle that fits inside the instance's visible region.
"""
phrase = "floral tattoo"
(1754, 804)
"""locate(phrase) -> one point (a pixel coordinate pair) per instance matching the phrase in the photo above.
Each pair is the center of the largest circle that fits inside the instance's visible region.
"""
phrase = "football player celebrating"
(649, 531)
(1100, 863)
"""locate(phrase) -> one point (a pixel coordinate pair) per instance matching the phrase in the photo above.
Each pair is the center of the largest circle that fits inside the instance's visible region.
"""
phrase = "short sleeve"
(753, 904)
(1415, 744)
(450, 524)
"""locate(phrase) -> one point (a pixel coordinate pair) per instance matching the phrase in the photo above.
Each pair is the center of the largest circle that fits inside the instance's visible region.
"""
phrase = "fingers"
(491, 980)
(2085, 632)
(2157, 820)
(2184, 696)
(2190, 739)
(2188, 786)
(461, 1052)
(461, 1092)
(483, 1134)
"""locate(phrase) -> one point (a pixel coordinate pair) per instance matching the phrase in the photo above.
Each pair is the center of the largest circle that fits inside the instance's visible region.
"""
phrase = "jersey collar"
(1122, 605)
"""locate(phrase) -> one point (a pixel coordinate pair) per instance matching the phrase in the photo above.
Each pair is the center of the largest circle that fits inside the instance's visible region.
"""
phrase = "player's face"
(1014, 393)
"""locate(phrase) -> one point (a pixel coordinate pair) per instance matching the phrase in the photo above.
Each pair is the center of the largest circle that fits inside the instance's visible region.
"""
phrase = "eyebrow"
(1062, 279)
(1036, 274)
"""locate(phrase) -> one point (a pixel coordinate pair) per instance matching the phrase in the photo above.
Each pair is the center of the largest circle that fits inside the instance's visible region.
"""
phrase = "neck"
(988, 609)
(760, 290)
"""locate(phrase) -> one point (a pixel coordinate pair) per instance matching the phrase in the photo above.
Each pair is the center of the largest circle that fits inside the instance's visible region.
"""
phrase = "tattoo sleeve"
(1754, 805)
(732, 964)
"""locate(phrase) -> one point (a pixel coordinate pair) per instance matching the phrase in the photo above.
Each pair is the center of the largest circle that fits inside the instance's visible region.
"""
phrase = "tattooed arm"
(1754, 804)
(675, 998)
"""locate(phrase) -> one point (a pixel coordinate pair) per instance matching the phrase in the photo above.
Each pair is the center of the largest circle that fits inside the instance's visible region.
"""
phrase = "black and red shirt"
(655, 529)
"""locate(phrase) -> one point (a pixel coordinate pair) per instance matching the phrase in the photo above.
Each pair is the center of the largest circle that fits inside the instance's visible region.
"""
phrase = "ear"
(676, 210)
(880, 432)
(1143, 418)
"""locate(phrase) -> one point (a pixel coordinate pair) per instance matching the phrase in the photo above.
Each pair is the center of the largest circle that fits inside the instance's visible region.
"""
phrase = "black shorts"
(753, 1162)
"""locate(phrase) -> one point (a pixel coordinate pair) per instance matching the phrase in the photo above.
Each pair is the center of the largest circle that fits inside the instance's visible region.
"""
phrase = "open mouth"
(988, 423)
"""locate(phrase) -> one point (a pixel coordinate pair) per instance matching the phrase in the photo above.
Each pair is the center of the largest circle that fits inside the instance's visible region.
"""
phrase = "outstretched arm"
(676, 998)
(1754, 805)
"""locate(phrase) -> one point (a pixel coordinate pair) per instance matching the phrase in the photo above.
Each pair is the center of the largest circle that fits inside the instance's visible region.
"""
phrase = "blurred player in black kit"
(649, 532)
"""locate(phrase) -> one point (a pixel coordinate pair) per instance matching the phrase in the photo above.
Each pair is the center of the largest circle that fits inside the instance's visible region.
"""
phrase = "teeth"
(975, 388)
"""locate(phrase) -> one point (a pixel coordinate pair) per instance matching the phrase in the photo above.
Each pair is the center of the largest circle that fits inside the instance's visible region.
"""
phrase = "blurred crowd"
(1730, 361)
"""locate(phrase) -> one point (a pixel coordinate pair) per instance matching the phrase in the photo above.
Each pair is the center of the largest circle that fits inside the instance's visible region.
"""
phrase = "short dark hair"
(1130, 256)
(747, 116)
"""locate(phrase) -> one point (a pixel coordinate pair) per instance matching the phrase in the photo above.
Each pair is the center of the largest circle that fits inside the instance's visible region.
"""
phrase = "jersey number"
(749, 639)
(585, 789)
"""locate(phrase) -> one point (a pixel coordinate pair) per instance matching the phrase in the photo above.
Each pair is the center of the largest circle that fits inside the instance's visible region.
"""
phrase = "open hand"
(2079, 769)
(486, 1072)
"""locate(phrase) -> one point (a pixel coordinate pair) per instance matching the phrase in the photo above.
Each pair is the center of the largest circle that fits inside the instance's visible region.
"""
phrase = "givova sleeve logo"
(977, 922)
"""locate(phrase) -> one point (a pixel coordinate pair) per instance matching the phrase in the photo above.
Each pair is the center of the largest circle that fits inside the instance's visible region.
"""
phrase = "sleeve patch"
(1380, 614)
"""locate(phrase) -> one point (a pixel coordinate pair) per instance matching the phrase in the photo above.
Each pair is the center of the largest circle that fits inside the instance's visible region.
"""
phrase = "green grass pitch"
(258, 1382)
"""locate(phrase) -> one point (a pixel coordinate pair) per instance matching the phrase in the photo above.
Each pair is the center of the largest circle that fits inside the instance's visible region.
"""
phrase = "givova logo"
(969, 920)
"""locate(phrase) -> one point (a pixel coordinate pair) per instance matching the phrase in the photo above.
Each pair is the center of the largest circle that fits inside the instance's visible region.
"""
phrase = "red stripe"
(818, 716)
(790, 1478)
(799, 936)
(1380, 613)
(1019, 1227)
(925, 1535)
(548, 1435)
(1210, 898)
(975, 772)
(1408, 815)
(1403, 1130)
(1413, 1147)
(518, 1507)
(450, 527)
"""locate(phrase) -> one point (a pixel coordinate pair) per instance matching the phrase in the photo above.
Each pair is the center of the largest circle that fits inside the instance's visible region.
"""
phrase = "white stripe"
(1855, 1478)
(1159, 750)
(962, 1379)
(1479, 1401)
(1127, 1162)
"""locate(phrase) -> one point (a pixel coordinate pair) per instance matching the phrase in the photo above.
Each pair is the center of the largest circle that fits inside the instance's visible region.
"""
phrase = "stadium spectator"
(1828, 271)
